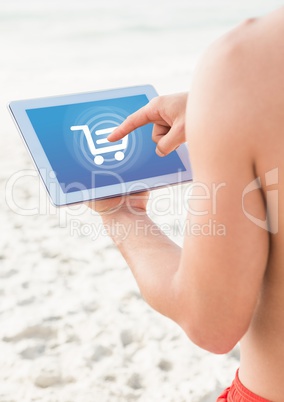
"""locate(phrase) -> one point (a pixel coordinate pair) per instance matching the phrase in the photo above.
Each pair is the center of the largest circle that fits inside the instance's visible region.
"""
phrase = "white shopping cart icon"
(98, 151)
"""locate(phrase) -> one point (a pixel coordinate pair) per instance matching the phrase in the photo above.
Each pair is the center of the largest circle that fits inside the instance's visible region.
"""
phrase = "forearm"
(152, 257)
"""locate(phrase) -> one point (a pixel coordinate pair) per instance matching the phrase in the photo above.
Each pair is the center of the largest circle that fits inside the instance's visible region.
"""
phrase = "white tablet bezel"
(58, 197)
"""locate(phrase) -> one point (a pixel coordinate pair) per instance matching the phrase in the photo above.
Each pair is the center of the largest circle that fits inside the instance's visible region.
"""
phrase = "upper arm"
(225, 254)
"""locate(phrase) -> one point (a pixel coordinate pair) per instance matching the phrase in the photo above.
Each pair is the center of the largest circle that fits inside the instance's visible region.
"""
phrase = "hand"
(168, 115)
(135, 203)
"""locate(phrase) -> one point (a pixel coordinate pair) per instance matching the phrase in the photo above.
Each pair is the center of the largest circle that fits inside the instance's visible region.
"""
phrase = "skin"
(221, 289)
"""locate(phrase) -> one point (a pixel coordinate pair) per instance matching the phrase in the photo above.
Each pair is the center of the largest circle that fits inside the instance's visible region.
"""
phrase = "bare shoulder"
(252, 53)
(257, 46)
(255, 38)
(240, 80)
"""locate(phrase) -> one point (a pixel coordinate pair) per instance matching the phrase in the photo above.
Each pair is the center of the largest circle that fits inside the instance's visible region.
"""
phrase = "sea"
(63, 46)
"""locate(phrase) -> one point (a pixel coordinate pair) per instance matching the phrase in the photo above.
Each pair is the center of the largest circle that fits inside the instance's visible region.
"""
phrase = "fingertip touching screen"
(74, 139)
(66, 136)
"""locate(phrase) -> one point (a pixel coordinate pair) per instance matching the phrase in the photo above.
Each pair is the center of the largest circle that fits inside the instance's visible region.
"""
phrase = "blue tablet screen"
(74, 140)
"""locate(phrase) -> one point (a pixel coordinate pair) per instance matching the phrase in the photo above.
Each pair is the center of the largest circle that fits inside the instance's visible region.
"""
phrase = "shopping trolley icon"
(98, 151)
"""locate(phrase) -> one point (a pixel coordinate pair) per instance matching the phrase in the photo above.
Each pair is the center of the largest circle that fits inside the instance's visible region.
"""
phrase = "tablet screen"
(73, 137)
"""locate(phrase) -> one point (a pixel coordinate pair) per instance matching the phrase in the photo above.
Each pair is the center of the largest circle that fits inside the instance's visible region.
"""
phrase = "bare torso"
(262, 348)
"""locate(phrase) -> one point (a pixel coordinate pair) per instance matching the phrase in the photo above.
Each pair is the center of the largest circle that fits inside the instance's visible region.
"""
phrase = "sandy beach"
(73, 326)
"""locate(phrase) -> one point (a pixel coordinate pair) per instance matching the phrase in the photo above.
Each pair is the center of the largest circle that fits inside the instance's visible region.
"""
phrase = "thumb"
(167, 144)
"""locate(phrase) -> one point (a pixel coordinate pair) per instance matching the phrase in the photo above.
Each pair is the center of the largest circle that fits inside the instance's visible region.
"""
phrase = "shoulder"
(239, 84)
(252, 50)
(254, 40)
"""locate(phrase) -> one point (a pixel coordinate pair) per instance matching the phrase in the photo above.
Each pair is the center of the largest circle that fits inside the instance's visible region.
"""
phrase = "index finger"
(133, 121)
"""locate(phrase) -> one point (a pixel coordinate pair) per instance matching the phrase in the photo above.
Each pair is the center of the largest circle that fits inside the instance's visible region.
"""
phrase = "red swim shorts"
(238, 393)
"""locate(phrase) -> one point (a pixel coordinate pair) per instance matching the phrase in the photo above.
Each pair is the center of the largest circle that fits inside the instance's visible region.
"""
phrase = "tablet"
(67, 139)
